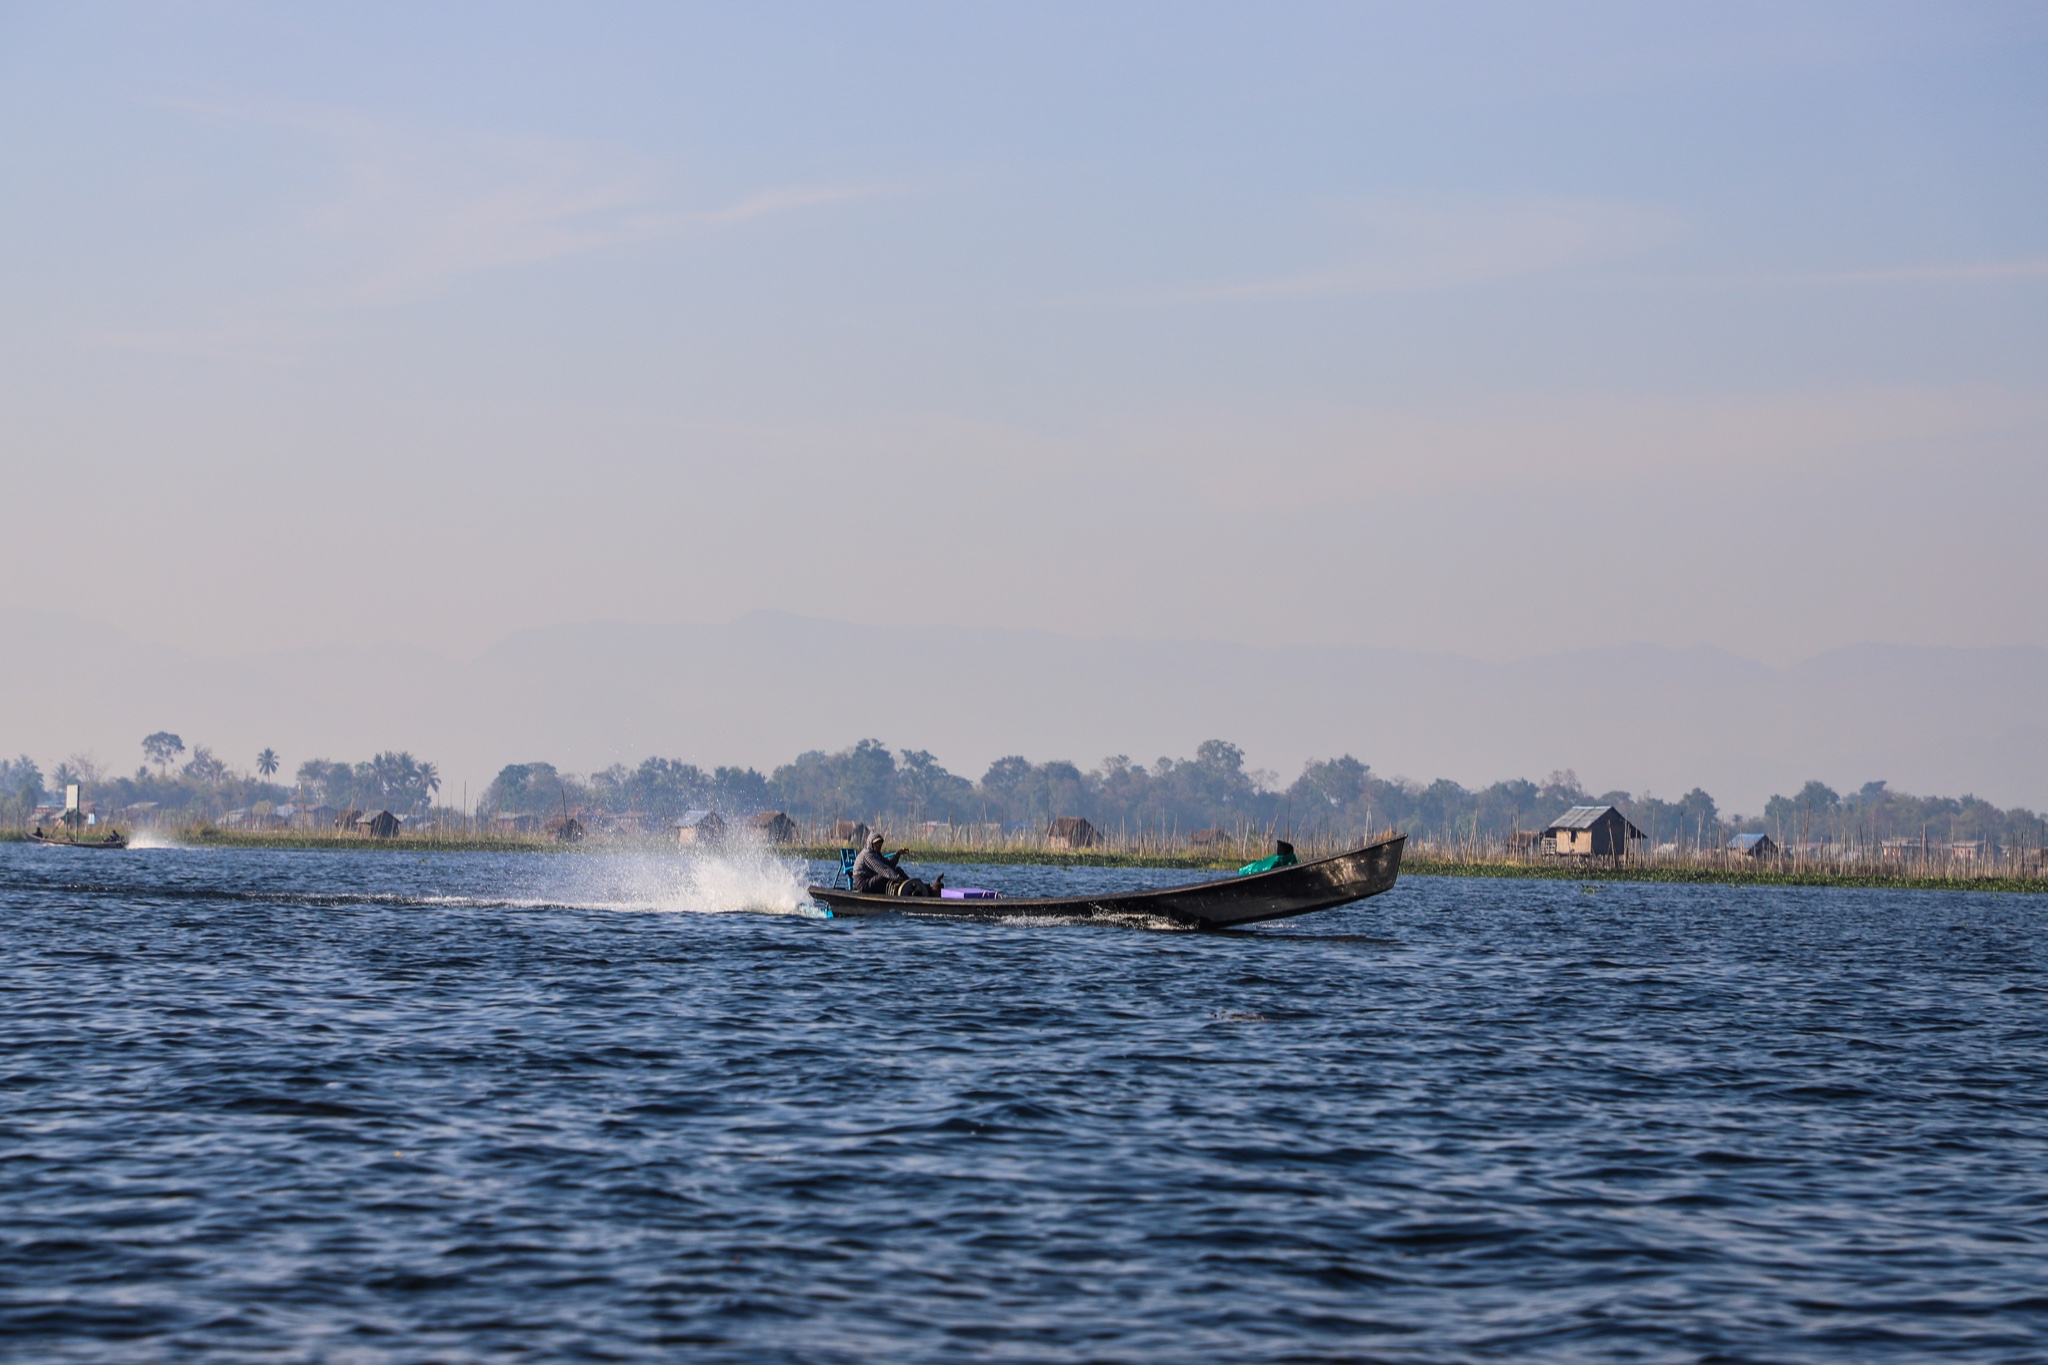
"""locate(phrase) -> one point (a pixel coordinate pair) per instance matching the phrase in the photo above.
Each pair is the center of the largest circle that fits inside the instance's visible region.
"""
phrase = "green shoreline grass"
(1414, 864)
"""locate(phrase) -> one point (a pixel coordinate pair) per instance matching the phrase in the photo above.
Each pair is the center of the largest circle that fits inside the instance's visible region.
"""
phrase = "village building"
(1753, 846)
(1070, 832)
(850, 833)
(1903, 850)
(1206, 838)
(509, 822)
(699, 827)
(347, 819)
(1592, 832)
(382, 825)
(566, 829)
(774, 826)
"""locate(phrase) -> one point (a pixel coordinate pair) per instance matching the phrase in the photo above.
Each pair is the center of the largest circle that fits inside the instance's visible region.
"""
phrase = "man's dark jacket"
(872, 872)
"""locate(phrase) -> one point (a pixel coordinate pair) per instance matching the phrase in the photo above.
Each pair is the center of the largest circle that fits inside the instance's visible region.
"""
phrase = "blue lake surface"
(380, 1108)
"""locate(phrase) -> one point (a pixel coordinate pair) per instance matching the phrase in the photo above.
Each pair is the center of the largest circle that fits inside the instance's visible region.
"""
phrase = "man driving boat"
(875, 874)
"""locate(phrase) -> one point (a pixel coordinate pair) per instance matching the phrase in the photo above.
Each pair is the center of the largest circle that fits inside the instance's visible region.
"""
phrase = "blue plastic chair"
(847, 858)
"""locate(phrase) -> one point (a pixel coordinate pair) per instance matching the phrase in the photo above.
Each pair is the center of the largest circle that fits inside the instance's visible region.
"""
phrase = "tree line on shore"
(172, 786)
(1331, 798)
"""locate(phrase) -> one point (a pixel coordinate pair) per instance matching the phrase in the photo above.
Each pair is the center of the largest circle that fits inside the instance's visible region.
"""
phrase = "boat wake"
(738, 879)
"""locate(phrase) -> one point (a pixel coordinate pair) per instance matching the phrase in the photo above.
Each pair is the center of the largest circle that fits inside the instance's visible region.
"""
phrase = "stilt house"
(1592, 832)
(773, 825)
(699, 827)
(1070, 832)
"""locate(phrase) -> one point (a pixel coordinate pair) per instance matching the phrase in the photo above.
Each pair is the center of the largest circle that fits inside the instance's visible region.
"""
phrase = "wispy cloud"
(397, 213)
(1402, 243)
(781, 201)
(1511, 440)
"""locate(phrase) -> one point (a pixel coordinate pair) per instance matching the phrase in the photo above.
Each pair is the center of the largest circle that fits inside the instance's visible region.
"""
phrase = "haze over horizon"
(1490, 331)
(759, 690)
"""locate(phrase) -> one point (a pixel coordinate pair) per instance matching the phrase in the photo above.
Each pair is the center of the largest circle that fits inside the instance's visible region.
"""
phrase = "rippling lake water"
(375, 1107)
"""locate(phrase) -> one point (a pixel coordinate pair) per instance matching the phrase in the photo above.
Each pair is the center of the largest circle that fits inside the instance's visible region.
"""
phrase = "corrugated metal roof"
(1579, 817)
(1746, 842)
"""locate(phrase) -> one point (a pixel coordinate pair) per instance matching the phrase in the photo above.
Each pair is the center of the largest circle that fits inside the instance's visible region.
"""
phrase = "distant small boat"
(75, 816)
(1297, 890)
(110, 841)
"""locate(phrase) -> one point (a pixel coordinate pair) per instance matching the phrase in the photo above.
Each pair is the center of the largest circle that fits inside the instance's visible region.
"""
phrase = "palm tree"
(405, 782)
(266, 762)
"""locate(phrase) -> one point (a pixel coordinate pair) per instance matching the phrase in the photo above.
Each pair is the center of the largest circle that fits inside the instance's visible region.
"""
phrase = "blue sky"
(1347, 324)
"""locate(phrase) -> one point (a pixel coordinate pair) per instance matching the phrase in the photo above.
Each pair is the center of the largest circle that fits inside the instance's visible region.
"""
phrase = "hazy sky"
(1490, 329)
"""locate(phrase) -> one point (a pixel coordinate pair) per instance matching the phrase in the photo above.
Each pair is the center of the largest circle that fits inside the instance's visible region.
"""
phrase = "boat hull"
(1299, 890)
(77, 843)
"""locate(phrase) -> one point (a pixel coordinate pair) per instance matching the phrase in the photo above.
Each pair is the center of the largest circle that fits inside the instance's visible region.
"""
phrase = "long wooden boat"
(1223, 904)
(112, 841)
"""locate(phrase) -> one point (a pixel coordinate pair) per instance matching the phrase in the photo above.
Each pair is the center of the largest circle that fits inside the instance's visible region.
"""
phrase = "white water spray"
(737, 876)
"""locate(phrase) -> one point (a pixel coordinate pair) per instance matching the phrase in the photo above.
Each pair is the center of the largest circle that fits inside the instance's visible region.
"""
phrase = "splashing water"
(150, 838)
(707, 881)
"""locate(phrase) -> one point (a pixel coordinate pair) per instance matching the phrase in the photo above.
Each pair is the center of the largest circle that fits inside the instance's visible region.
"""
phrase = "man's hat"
(874, 838)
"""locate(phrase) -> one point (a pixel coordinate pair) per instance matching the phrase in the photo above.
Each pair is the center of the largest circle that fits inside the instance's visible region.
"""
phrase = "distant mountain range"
(762, 688)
